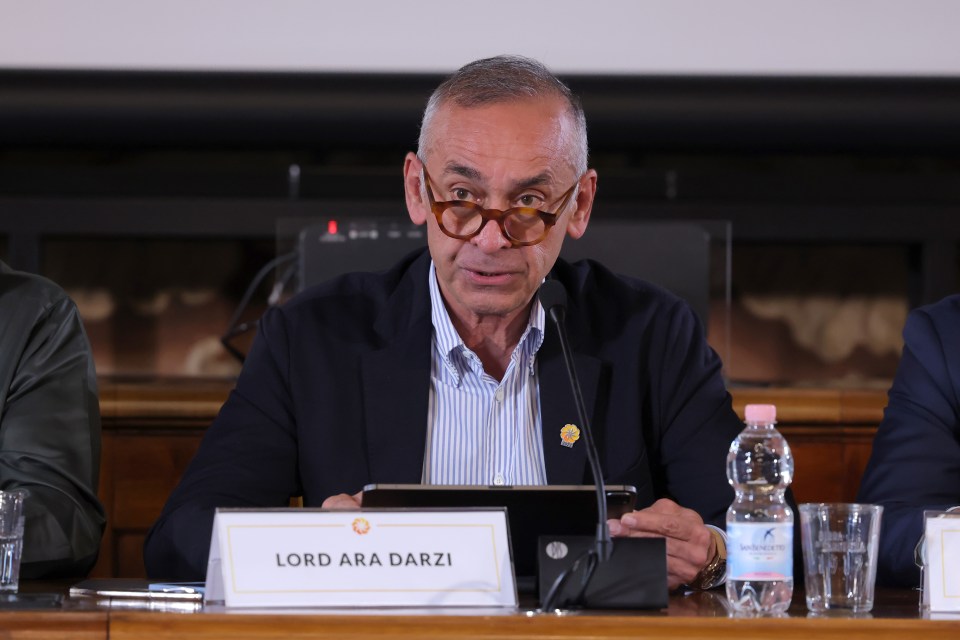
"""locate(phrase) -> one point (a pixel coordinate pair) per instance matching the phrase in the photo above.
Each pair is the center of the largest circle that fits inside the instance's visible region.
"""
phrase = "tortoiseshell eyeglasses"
(522, 226)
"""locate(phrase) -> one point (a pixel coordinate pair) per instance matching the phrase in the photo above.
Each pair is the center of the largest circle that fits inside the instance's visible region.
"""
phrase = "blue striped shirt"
(481, 430)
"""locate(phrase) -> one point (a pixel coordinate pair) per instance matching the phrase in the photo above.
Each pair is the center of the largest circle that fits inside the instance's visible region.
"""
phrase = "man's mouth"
(489, 277)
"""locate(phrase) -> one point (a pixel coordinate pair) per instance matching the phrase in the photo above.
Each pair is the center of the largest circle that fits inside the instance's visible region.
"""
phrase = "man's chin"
(493, 305)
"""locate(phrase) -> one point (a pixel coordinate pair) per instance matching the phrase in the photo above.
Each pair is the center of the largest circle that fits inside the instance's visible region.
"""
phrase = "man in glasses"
(444, 370)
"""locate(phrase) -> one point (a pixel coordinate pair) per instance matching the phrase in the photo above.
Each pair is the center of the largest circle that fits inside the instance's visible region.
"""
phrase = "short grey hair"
(502, 79)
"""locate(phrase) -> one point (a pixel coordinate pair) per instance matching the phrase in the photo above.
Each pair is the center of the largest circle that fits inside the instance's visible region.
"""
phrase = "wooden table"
(697, 615)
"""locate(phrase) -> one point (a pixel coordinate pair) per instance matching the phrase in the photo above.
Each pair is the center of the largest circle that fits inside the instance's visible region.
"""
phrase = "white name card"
(941, 574)
(389, 557)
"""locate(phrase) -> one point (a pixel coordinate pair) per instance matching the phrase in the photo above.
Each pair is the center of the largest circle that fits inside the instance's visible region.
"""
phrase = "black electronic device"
(333, 246)
(634, 577)
(531, 510)
(672, 254)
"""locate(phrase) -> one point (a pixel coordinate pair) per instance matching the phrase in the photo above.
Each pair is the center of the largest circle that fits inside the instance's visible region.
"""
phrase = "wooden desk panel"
(144, 626)
(139, 469)
(828, 460)
(65, 625)
(694, 615)
(153, 428)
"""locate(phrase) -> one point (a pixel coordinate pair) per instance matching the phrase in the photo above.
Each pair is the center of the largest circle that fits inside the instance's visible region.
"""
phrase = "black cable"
(550, 601)
(234, 328)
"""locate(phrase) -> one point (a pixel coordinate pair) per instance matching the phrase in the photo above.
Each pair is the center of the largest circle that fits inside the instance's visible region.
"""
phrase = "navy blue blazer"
(915, 464)
(334, 392)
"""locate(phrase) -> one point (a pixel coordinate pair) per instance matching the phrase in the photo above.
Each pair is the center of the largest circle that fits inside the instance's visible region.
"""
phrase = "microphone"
(637, 577)
(553, 298)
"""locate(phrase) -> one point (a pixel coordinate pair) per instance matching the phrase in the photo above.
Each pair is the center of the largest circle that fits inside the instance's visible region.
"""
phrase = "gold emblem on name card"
(361, 526)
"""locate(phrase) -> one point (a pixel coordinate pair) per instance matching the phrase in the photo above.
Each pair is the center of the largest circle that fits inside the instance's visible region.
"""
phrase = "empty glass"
(11, 538)
(840, 543)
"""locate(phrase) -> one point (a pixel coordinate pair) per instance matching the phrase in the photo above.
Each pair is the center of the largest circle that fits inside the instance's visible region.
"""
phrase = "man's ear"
(577, 224)
(412, 175)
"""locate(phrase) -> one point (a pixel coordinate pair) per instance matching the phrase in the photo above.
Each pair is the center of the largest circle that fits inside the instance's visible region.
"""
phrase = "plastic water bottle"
(760, 522)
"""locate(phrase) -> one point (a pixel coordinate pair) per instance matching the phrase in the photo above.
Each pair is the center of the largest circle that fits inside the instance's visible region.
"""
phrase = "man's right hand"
(344, 502)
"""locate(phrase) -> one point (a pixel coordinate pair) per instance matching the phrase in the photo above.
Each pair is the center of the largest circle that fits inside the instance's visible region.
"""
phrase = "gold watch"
(715, 571)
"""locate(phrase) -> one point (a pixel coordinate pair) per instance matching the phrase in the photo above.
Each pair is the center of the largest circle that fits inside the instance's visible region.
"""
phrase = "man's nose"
(491, 238)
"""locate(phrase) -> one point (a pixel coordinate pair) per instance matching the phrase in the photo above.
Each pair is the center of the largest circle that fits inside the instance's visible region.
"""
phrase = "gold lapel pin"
(569, 434)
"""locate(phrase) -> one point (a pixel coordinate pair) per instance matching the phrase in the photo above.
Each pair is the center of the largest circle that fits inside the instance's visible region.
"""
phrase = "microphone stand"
(603, 544)
(638, 578)
(554, 297)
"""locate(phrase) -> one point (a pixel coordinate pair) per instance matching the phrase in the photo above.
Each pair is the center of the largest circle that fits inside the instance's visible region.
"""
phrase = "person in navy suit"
(443, 369)
(915, 464)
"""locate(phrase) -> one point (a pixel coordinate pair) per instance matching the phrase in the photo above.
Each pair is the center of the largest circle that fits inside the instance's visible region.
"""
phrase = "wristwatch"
(714, 573)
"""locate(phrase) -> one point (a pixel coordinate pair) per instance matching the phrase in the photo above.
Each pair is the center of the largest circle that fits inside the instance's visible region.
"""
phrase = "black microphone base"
(635, 576)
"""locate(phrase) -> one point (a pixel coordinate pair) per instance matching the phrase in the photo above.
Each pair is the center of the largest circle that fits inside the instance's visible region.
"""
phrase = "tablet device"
(531, 510)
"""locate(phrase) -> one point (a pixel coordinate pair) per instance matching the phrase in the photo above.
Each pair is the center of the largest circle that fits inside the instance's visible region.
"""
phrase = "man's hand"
(690, 545)
(344, 502)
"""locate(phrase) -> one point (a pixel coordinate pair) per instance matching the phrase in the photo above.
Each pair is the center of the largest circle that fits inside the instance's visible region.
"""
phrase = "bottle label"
(759, 551)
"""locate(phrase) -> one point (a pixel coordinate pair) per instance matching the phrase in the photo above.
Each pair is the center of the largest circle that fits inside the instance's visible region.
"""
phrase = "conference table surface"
(691, 615)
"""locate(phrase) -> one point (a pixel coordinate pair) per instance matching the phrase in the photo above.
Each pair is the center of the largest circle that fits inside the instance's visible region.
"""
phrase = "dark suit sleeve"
(698, 424)
(696, 417)
(915, 463)
(50, 442)
(248, 458)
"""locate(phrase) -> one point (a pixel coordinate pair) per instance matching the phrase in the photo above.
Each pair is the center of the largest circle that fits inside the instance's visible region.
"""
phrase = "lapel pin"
(569, 434)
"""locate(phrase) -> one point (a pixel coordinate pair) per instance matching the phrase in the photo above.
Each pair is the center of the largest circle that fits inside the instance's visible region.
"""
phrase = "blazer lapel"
(395, 393)
(564, 465)
(396, 383)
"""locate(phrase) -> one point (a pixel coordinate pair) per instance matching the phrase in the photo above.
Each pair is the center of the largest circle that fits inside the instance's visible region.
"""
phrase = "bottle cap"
(762, 413)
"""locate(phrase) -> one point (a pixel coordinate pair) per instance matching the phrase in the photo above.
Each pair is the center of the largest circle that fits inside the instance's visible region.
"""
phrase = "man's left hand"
(343, 502)
(690, 545)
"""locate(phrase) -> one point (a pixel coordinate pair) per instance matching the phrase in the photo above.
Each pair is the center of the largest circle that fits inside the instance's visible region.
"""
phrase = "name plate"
(941, 572)
(388, 557)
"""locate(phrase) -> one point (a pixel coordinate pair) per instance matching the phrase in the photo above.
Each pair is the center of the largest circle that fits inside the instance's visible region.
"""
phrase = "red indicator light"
(332, 227)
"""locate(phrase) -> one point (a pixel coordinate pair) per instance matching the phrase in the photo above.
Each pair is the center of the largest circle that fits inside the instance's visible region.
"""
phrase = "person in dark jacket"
(444, 370)
(915, 463)
(49, 425)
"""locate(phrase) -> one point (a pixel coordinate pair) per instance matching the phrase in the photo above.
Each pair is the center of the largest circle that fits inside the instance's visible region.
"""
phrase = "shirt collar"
(448, 342)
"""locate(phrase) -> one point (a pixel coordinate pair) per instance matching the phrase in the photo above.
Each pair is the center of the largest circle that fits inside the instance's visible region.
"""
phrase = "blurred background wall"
(152, 157)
